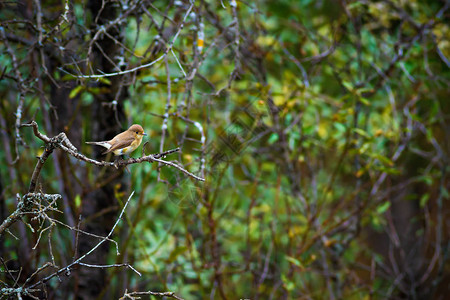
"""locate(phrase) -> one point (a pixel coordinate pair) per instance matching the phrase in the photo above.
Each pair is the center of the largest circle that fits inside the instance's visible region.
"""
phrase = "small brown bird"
(125, 142)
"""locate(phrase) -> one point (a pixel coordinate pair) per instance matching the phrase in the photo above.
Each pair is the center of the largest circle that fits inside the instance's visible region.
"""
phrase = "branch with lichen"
(61, 141)
(135, 295)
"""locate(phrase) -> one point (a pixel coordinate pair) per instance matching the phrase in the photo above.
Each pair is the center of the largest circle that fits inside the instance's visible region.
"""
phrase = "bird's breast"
(129, 149)
(137, 141)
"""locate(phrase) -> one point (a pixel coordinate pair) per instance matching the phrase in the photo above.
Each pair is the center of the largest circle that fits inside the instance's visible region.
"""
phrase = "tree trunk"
(100, 206)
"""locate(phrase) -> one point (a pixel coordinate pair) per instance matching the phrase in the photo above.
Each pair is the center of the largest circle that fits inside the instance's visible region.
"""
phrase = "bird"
(123, 143)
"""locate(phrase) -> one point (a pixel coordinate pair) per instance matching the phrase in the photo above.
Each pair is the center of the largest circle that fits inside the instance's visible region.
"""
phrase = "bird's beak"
(144, 133)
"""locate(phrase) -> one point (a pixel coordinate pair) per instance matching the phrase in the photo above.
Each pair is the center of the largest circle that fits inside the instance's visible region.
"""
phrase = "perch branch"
(61, 141)
(135, 295)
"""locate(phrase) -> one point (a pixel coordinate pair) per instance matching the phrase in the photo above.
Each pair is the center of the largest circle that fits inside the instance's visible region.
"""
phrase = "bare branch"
(61, 141)
(134, 295)
(67, 269)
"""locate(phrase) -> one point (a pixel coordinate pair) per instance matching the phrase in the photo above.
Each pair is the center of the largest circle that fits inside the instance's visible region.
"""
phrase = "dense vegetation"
(321, 128)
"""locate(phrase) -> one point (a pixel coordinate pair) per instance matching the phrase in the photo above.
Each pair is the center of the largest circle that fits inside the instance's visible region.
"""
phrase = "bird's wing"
(120, 143)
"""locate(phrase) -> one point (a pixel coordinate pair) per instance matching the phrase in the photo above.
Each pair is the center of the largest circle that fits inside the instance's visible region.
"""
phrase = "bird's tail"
(103, 144)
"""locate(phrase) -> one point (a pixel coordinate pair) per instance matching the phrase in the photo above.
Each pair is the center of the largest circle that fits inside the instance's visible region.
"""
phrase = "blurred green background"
(321, 128)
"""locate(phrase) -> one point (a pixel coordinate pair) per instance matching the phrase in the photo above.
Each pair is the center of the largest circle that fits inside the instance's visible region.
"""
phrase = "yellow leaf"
(359, 173)
(322, 130)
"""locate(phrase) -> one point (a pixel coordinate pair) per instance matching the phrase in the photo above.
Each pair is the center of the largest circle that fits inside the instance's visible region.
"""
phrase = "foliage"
(321, 128)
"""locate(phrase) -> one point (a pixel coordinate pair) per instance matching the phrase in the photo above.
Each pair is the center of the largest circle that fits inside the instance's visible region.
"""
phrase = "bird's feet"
(117, 162)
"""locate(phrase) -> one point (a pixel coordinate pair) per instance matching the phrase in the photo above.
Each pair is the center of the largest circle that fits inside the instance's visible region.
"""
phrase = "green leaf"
(340, 127)
(175, 253)
(424, 199)
(273, 138)
(361, 132)
(294, 261)
(427, 179)
(383, 207)
(364, 148)
(348, 85)
(68, 77)
(104, 80)
(364, 101)
(75, 91)
(384, 160)
(77, 201)
(288, 284)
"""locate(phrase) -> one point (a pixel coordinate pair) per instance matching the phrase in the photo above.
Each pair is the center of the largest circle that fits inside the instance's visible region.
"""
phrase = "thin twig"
(76, 262)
